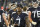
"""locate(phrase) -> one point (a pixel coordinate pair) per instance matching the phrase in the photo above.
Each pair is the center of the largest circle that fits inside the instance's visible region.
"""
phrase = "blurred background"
(5, 3)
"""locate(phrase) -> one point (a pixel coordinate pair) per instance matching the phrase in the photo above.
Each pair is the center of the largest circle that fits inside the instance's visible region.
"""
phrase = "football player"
(2, 17)
(34, 15)
(20, 19)
(5, 20)
(11, 11)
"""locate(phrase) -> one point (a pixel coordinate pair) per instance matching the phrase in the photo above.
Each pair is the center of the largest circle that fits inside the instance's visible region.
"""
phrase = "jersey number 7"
(18, 19)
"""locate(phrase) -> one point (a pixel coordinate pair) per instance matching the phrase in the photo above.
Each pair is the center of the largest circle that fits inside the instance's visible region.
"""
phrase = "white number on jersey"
(0, 18)
(18, 20)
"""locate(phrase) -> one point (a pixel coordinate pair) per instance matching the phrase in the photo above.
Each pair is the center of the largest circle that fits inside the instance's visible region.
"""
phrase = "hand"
(34, 23)
(8, 26)
(12, 25)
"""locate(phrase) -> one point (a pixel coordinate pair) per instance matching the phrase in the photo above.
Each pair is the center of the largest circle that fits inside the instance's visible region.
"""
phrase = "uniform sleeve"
(30, 9)
(26, 16)
(9, 12)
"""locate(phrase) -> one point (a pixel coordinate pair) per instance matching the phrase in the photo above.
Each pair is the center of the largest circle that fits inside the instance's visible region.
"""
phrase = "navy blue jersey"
(10, 12)
(35, 13)
(19, 19)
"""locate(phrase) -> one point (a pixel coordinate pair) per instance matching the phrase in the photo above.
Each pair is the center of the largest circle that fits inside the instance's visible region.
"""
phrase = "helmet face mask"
(35, 5)
(13, 7)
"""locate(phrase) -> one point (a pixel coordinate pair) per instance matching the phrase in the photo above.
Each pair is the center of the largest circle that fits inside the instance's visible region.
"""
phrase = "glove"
(12, 26)
(8, 26)
(34, 23)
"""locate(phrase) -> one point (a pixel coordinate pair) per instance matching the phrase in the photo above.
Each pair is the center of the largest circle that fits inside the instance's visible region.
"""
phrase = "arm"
(4, 17)
(27, 22)
(29, 16)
